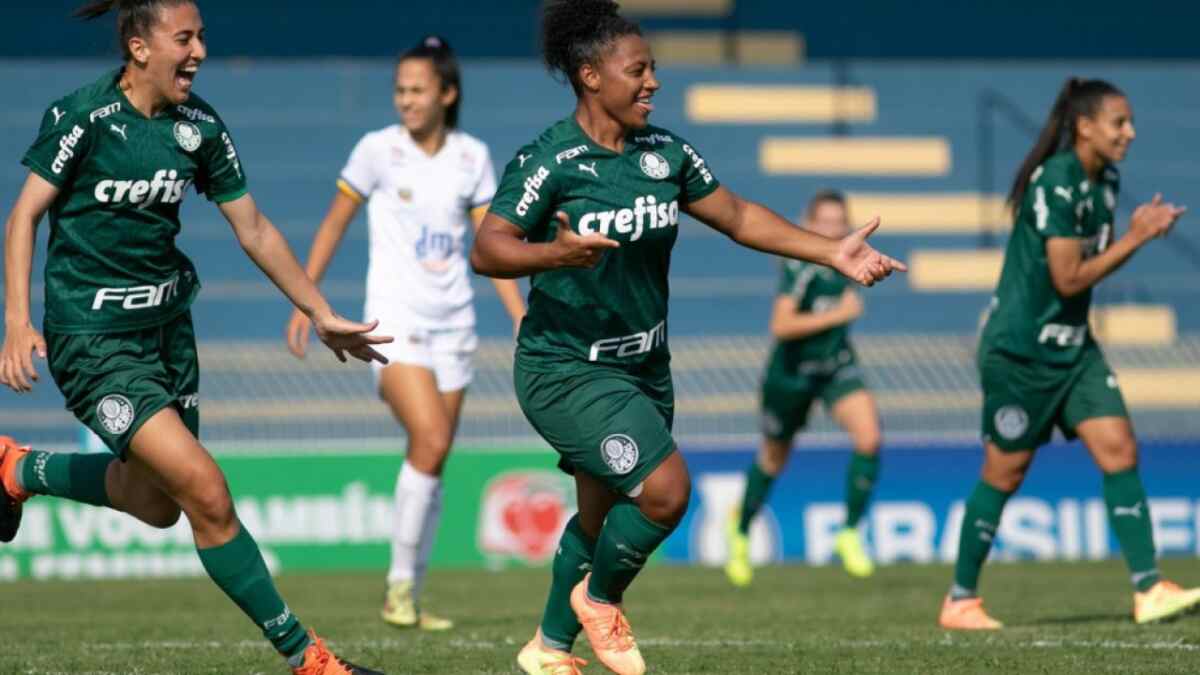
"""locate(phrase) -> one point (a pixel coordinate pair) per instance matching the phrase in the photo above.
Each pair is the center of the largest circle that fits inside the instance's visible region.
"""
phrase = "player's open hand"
(297, 333)
(1155, 218)
(21, 342)
(344, 336)
(858, 261)
(579, 250)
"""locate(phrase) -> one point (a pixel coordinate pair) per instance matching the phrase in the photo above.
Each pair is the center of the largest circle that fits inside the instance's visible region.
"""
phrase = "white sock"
(433, 516)
(414, 495)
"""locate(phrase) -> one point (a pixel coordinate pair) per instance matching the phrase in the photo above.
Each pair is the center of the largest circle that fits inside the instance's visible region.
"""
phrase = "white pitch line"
(1179, 645)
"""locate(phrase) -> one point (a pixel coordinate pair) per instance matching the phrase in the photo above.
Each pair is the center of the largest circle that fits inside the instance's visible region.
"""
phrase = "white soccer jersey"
(418, 217)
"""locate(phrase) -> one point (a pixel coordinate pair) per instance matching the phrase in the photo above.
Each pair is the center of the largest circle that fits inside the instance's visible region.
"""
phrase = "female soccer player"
(1038, 362)
(425, 182)
(591, 210)
(112, 163)
(812, 358)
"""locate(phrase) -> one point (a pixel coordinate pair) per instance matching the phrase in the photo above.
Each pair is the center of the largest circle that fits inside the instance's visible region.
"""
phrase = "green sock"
(625, 544)
(1129, 518)
(980, 522)
(758, 486)
(237, 567)
(860, 482)
(572, 561)
(75, 476)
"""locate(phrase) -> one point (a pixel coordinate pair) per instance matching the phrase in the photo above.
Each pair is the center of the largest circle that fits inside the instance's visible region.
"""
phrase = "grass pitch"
(1062, 618)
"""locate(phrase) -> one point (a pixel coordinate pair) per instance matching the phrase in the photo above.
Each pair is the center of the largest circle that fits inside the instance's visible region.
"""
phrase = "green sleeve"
(527, 193)
(221, 177)
(698, 180)
(61, 143)
(1052, 199)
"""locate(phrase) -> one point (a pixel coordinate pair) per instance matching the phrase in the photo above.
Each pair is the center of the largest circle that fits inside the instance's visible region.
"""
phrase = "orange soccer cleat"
(318, 660)
(607, 631)
(13, 494)
(966, 614)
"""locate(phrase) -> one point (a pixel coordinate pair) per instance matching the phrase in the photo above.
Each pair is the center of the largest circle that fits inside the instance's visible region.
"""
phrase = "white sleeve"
(485, 184)
(359, 173)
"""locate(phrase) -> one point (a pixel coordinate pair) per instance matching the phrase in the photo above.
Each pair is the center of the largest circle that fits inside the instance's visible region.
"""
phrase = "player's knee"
(1119, 455)
(773, 457)
(211, 505)
(868, 443)
(428, 448)
(667, 504)
(1004, 478)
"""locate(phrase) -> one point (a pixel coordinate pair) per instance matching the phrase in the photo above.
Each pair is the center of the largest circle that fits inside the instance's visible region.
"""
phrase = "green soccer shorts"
(114, 382)
(787, 401)
(611, 423)
(1023, 400)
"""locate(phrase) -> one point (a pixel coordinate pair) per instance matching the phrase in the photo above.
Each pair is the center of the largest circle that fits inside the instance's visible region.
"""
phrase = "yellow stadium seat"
(856, 156)
(954, 270)
(769, 104)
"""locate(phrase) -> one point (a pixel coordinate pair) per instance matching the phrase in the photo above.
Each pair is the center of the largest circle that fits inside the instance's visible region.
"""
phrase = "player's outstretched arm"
(270, 251)
(325, 243)
(755, 226)
(21, 339)
(1071, 274)
(502, 252)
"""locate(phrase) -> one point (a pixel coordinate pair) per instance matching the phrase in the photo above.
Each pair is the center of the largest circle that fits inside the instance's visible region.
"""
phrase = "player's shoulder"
(465, 142)
(88, 103)
(197, 111)
(549, 148)
(1059, 169)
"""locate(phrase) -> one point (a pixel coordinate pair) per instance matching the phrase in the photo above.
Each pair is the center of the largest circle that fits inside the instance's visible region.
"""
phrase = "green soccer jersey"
(1028, 317)
(816, 289)
(615, 313)
(112, 263)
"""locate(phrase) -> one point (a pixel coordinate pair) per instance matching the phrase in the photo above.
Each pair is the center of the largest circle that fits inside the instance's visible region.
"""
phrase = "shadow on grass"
(1081, 619)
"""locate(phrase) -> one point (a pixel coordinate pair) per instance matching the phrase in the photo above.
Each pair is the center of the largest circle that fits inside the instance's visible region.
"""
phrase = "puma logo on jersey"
(137, 297)
(589, 169)
(120, 130)
(1064, 192)
(532, 185)
(66, 148)
(163, 187)
(522, 159)
(1134, 511)
(58, 115)
(647, 212)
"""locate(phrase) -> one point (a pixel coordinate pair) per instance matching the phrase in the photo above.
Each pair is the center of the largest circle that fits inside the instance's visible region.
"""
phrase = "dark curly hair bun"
(575, 32)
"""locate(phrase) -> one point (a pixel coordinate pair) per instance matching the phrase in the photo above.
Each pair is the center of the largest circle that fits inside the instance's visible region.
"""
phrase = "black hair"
(135, 18)
(827, 196)
(1077, 98)
(575, 32)
(445, 64)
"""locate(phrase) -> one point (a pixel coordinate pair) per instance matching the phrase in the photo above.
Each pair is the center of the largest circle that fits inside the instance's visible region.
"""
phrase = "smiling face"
(171, 54)
(420, 98)
(1109, 132)
(624, 81)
